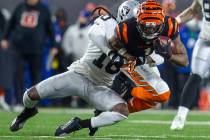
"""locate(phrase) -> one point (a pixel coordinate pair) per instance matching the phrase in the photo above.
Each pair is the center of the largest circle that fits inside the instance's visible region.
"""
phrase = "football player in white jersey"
(200, 60)
(149, 88)
(90, 78)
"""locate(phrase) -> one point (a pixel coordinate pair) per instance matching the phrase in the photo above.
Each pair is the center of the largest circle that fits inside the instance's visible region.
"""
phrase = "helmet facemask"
(150, 30)
(150, 19)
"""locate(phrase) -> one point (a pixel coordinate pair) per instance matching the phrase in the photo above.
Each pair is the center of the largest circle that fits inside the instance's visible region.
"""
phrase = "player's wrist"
(179, 20)
(122, 51)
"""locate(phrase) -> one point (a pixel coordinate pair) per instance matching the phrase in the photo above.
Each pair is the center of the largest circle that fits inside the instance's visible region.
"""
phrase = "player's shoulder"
(171, 27)
(129, 22)
(105, 20)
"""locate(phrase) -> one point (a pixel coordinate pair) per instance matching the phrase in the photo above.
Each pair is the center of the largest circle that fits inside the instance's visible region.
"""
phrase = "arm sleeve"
(98, 35)
(171, 29)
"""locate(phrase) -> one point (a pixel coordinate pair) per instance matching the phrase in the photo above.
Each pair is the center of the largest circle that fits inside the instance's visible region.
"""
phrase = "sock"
(190, 90)
(28, 103)
(85, 123)
(106, 118)
(183, 111)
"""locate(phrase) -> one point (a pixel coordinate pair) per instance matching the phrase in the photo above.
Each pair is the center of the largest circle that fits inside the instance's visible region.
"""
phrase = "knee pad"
(27, 100)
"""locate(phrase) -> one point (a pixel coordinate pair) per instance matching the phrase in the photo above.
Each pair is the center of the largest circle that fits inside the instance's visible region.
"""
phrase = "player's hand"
(163, 48)
(116, 59)
(4, 44)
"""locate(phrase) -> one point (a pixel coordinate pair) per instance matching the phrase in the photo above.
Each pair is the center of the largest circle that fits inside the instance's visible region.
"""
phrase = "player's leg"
(136, 105)
(122, 85)
(102, 98)
(200, 65)
(57, 86)
(150, 88)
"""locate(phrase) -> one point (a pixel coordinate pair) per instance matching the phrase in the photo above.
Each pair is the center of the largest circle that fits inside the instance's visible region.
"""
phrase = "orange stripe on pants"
(135, 105)
(153, 96)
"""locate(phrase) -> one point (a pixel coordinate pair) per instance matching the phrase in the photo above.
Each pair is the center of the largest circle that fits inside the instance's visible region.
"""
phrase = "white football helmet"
(127, 10)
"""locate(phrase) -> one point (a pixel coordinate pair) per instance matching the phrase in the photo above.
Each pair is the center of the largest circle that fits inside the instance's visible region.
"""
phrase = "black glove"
(140, 61)
(116, 59)
(163, 49)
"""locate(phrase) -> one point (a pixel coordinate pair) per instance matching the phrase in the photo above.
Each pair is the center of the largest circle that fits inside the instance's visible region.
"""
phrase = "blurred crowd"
(36, 45)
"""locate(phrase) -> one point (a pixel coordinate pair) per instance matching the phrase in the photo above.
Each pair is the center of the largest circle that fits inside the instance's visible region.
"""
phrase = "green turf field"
(148, 125)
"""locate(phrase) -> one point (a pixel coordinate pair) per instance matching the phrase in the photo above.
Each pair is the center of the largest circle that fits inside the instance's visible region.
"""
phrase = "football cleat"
(92, 131)
(71, 126)
(178, 123)
(20, 120)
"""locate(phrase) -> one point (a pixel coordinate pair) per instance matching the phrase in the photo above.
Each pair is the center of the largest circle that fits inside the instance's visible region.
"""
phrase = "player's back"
(95, 64)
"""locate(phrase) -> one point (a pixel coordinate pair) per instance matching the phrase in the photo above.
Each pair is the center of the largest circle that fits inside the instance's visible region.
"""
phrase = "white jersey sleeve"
(101, 31)
(205, 28)
(95, 64)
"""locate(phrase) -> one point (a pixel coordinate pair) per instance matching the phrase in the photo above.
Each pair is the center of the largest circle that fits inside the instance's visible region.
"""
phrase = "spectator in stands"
(60, 26)
(5, 75)
(75, 39)
(169, 7)
(28, 28)
(75, 42)
(89, 7)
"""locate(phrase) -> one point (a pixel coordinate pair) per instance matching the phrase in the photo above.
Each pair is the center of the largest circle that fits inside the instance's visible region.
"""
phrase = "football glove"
(163, 49)
(116, 59)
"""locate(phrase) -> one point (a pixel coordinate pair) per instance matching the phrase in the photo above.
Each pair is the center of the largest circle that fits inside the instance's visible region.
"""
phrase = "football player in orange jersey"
(137, 35)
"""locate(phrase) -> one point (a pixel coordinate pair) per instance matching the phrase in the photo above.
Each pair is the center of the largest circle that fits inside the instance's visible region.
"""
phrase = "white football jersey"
(205, 29)
(95, 64)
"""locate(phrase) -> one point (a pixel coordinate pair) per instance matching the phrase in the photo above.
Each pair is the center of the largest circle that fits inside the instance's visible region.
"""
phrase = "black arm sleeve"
(171, 28)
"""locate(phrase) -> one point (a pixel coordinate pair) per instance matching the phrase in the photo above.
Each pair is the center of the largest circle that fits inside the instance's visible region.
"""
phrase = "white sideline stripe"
(168, 122)
(110, 137)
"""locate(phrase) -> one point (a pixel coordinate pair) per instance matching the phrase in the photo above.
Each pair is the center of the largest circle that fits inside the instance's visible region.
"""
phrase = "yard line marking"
(168, 122)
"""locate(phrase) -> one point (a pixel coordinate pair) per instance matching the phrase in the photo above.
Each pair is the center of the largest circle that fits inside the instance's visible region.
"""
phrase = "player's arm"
(116, 42)
(179, 53)
(98, 36)
(102, 37)
(189, 13)
(116, 45)
(173, 51)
